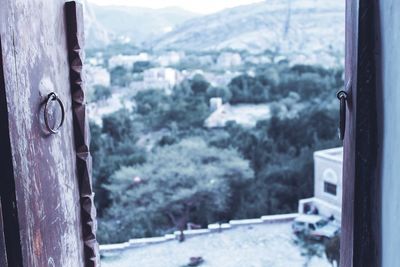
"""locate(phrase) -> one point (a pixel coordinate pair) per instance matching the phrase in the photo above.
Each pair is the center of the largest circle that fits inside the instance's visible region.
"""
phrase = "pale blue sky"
(198, 6)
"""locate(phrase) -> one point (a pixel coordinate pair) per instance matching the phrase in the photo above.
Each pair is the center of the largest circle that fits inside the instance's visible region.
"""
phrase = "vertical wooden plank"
(3, 130)
(3, 252)
(44, 166)
(75, 37)
(367, 206)
(347, 242)
(9, 230)
(360, 242)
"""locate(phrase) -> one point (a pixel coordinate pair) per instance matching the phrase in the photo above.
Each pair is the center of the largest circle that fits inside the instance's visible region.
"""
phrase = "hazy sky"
(198, 6)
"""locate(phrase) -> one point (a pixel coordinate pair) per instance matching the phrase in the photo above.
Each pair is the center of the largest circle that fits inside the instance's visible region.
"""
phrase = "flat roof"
(268, 244)
(308, 218)
(335, 154)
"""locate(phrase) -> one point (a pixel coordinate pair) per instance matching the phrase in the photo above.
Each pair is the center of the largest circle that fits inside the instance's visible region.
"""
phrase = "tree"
(113, 145)
(199, 84)
(119, 76)
(247, 89)
(119, 125)
(186, 107)
(221, 92)
(101, 93)
(176, 183)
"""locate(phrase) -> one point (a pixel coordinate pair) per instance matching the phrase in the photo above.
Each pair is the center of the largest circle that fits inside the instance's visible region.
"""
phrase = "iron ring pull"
(53, 97)
(342, 96)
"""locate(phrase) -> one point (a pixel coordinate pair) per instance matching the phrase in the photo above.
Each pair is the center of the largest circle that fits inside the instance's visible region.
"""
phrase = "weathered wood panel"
(9, 216)
(347, 238)
(360, 240)
(35, 57)
(367, 207)
(3, 154)
(3, 253)
(75, 33)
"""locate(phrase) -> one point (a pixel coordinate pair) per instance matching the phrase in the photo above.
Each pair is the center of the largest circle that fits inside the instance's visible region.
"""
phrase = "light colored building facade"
(327, 200)
(126, 61)
(157, 78)
(96, 75)
(229, 60)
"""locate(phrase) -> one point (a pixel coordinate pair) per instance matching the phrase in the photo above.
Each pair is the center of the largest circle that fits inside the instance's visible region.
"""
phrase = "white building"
(96, 75)
(126, 61)
(244, 114)
(167, 75)
(327, 198)
(171, 58)
(158, 78)
(229, 60)
(215, 103)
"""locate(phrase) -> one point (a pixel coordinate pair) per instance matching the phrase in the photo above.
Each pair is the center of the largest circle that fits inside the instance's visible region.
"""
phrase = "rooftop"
(246, 115)
(335, 154)
(308, 218)
(256, 245)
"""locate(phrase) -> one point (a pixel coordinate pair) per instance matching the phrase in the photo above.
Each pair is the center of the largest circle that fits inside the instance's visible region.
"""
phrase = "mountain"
(307, 29)
(95, 33)
(136, 24)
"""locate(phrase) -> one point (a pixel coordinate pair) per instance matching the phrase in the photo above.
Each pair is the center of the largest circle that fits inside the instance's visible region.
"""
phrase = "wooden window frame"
(360, 239)
(361, 234)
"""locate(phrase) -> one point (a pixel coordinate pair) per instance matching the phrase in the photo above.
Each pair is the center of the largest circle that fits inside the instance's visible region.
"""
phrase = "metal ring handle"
(342, 96)
(53, 97)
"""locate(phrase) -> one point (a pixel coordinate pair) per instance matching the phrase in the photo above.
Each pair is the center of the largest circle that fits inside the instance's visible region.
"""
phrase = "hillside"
(136, 24)
(301, 30)
(95, 34)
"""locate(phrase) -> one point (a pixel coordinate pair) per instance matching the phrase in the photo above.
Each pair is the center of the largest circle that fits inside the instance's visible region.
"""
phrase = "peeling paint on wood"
(35, 56)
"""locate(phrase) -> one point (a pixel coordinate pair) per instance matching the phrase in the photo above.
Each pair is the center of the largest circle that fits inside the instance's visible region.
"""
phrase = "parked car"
(315, 227)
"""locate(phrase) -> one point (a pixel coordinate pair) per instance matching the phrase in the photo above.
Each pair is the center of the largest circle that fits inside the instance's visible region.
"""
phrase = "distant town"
(215, 124)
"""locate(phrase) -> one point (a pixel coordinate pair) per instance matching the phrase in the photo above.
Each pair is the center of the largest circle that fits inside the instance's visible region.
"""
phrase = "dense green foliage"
(157, 168)
(120, 76)
(188, 181)
(101, 93)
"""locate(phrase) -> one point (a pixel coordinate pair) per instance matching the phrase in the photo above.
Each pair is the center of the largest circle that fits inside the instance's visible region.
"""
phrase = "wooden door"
(46, 195)
(361, 232)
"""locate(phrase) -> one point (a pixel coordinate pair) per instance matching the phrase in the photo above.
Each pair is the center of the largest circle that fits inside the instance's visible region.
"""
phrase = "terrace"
(267, 241)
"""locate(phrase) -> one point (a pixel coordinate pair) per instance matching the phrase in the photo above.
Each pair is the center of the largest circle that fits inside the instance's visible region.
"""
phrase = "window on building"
(330, 188)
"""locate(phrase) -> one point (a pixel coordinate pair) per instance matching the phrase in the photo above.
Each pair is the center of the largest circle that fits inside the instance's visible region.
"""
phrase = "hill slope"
(137, 24)
(306, 29)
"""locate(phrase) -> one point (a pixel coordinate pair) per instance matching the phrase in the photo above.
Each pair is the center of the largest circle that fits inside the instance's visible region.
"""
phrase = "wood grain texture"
(3, 252)
(4, 141)
(9, 220)
(360, 240)
(35, 57)
(75, 33)
(347, 238)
